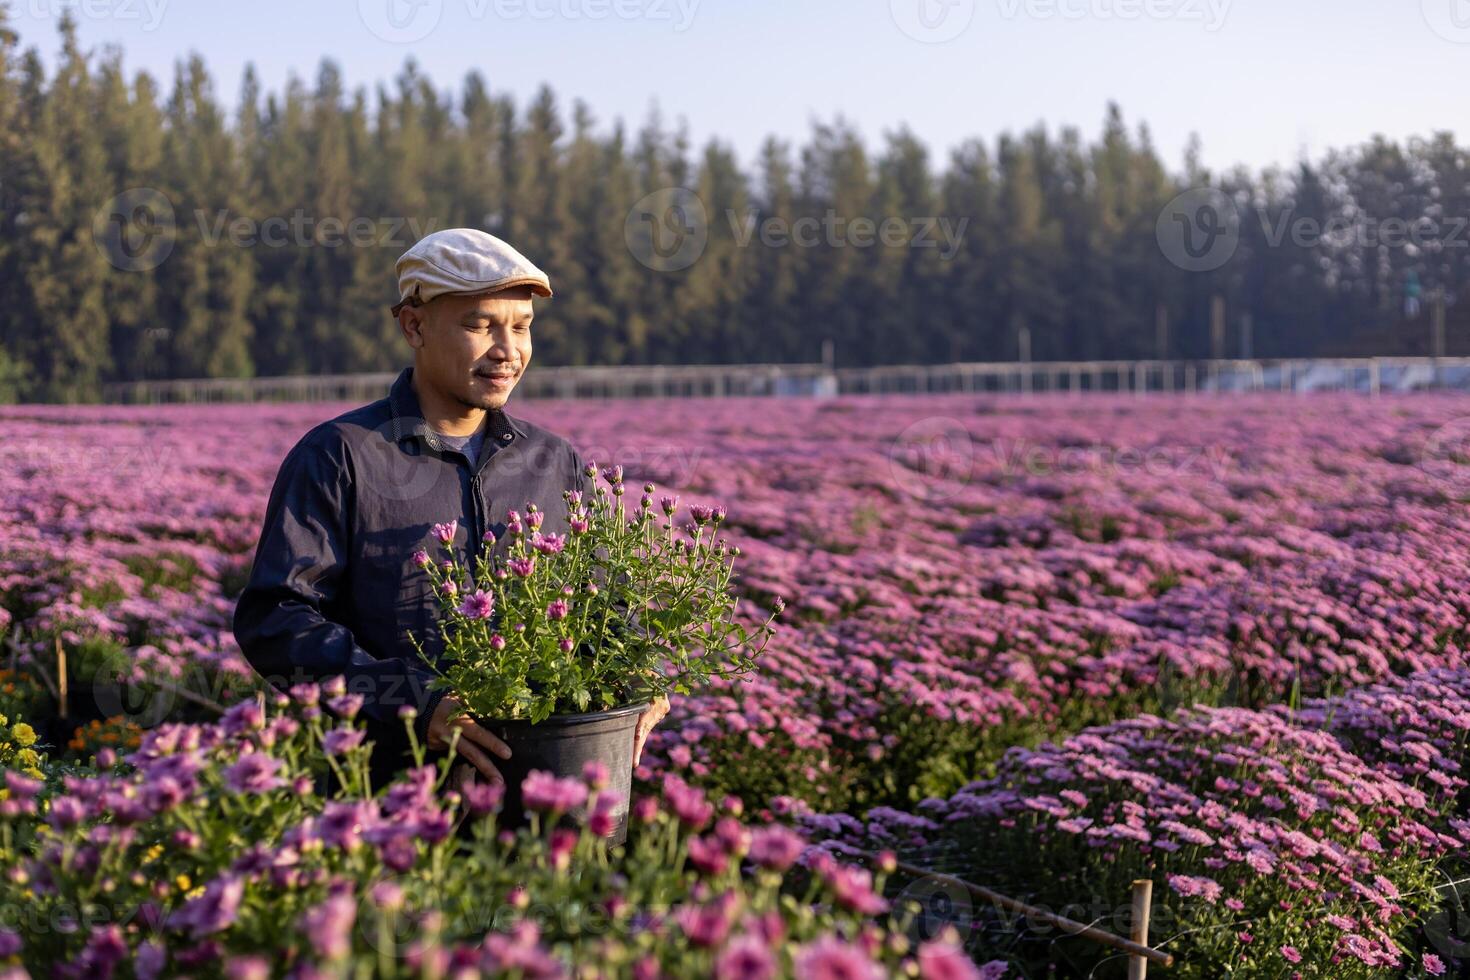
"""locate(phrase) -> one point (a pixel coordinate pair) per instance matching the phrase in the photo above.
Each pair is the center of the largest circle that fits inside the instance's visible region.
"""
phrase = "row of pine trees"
(1059, 237)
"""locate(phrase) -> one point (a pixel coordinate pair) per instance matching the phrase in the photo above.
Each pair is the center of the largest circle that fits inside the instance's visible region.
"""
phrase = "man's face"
(471, 350)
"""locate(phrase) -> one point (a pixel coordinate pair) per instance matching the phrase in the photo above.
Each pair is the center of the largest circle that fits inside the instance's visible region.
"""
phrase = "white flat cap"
(464, 260)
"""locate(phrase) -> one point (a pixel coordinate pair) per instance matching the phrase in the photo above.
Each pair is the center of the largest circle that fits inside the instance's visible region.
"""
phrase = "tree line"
(147, 231)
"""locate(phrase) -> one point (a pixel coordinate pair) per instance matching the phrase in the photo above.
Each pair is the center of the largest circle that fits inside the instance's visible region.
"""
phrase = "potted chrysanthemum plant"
(561, 648)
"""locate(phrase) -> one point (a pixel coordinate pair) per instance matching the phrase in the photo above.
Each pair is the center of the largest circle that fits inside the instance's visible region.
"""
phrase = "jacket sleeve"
(282, 621)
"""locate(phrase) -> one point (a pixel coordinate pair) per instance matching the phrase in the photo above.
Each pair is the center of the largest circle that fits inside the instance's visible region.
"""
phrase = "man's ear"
(412, 320)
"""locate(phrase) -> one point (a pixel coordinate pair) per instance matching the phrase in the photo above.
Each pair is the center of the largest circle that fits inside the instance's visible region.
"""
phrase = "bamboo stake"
(60, 677)
(1143, 892)
(1138, 950)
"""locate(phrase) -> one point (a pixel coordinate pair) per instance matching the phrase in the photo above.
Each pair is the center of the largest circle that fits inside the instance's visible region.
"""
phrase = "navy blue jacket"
(334, 589)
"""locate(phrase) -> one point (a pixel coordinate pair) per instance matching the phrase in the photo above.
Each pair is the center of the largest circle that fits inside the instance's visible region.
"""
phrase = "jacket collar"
(408, 416)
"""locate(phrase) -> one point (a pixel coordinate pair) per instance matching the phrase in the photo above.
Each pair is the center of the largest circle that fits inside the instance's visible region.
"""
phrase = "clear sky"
(1260, 81)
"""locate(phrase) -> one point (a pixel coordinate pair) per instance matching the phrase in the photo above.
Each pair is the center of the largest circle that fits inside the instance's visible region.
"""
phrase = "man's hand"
(474, 742)
(646, 722)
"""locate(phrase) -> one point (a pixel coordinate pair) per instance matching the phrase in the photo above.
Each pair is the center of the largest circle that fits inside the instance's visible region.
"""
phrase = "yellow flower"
(24, 734)
(195, 893)
(154, 853)
(27, 757)
(182, 883)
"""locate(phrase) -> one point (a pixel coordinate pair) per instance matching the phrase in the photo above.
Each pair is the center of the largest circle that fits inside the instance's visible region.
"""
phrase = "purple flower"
(557, 609)
(347, 706)
(543, 792)
(745, 958)
(21, 787)
(215, 910)
(603, 818)
(519, 954)
(387, 895)
(595, 774)
(688, 804)
(421, 558)
(247, 968)
(940, 960)
(243, 717)
(328, 926)
(444, 533)
(342, 823)
(522, 567)
(478, 605)
(483, 797)
(708, 855)
(341, 740)
(305, 695)
(1190, 887)
(708, 925)
(854, 889)
(149, 961)
(255, 772)
(549, 544)
(829, 958)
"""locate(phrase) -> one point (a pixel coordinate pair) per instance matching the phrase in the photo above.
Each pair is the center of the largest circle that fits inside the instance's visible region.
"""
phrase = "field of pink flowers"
(1051, 644)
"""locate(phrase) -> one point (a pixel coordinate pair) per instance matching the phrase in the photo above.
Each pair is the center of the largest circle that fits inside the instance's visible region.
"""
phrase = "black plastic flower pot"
(563, 745)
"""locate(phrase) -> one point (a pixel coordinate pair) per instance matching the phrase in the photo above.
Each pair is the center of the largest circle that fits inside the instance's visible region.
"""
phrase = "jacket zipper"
(478, 530)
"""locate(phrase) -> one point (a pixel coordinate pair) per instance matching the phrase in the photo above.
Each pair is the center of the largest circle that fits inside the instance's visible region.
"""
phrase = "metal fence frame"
(1370, 375)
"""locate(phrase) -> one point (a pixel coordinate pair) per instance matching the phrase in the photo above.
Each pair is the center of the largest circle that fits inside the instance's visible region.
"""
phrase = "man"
(334, 589)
